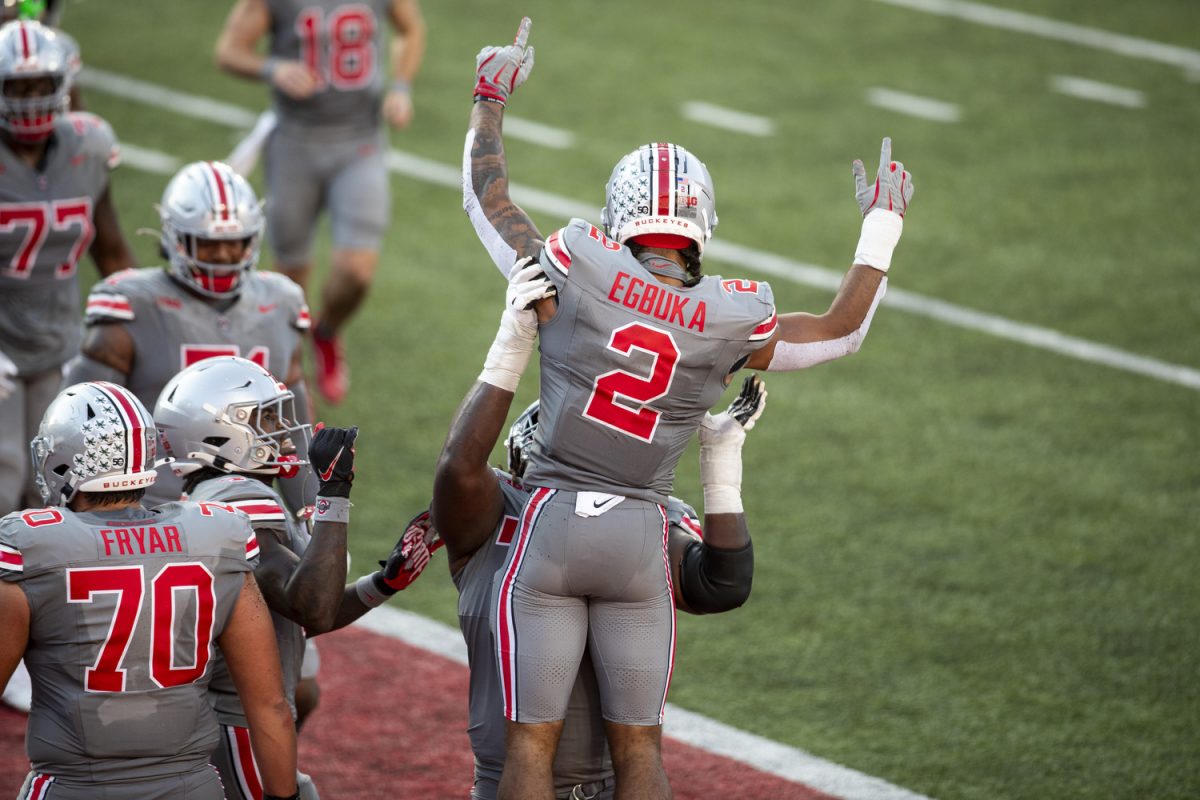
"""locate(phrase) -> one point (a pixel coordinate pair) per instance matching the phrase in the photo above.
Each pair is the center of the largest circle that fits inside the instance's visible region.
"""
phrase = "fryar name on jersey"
(654, 300)
(133, 541)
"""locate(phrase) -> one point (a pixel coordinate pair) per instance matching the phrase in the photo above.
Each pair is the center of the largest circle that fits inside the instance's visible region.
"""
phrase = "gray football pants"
(571, 581)
(199, 784)
(20, 415)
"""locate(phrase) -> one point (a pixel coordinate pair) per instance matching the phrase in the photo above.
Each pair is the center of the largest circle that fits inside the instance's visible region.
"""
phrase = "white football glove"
(893, 187)
(721, 439)
(510, 351)
(500, 70)
(8, 372)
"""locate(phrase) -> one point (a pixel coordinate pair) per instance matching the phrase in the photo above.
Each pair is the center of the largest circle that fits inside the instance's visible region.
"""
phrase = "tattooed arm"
(505, 230)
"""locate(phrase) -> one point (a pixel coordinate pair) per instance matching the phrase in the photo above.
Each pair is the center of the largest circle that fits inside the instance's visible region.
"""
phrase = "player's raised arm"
(505, 230)
(804, 340)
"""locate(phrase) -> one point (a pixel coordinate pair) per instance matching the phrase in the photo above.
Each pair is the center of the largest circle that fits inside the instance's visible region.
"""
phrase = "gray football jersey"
(45, 229)
(344, 43)
(265, 508)
(629, 365)
(172, 329)
(125, 609)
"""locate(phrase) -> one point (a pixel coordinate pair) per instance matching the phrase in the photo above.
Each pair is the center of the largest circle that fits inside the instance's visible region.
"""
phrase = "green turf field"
(977, 559)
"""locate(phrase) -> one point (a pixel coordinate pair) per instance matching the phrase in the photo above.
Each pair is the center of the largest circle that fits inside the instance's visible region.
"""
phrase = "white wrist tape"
(509, 354)
(721, 477)
(367, 593)
(332, 509)
(881, 231)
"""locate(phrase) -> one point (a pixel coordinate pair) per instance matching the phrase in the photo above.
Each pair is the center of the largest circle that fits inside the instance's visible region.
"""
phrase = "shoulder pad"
(756, 302)
(115, 299)
(99, 141)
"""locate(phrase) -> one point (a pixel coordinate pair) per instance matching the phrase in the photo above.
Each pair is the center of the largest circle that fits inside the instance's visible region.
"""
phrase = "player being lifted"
(116, 608)
(636, 346)
(476, 509)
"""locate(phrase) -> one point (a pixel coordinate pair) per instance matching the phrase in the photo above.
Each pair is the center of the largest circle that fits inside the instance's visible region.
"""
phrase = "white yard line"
(1095, 90)
(537, 133)
(913, 105)
(994, 17)
(689, 727)
(148, 160)
(735, 254)
(727, 119)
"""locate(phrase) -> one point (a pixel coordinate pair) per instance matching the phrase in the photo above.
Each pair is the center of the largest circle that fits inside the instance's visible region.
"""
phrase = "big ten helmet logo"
(685, 195)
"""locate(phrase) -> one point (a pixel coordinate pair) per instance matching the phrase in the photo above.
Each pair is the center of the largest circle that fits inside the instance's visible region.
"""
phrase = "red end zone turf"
(392, 724)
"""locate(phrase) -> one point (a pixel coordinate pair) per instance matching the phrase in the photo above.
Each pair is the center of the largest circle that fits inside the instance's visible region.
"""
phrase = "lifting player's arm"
(308, 590)
(109, 250)
(714, 574)
(467, 501)
(504, 228)
(804, 340)
(236, 52)
(248, 645)
(408, 50)
(14, 629)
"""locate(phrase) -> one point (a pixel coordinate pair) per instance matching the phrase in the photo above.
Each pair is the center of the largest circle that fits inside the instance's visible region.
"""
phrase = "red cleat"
(333, 376)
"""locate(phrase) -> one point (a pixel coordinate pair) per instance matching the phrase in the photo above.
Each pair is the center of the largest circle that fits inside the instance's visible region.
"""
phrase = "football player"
(476, 510)
(641, 345)
(144, 326)
(115, 609)
(332, 90)
(55, 205)
(229, 425)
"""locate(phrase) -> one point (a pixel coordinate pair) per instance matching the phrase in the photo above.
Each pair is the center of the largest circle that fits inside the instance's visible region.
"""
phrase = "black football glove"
(331, 454)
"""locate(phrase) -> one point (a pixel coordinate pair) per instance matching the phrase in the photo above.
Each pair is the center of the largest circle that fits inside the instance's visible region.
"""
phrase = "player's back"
(125, 607)
(630, 364)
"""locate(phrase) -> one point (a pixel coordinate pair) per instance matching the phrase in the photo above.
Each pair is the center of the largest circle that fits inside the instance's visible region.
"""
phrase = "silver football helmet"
(520, 438)
(94, 437)
(661, 196)
(28, 51)
(207, 200)
(231, 414)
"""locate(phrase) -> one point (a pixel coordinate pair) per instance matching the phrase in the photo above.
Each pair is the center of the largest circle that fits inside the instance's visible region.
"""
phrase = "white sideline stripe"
(727, 118)
(689, 727)
(994, 17)
(537, 133)
(738, 255)
(1095, 90)
(148, 160)
(913, 105)
(152, 94)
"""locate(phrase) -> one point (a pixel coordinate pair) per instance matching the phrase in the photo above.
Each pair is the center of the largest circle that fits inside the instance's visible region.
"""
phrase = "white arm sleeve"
(503, 255)
(789, 356)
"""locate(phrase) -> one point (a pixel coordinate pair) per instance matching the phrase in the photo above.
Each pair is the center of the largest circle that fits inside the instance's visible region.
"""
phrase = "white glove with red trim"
(500, 70)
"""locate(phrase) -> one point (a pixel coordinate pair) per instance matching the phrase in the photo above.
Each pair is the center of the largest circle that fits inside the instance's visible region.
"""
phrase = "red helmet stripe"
(26, 52)
(135, 424)
(222, 194)
(664, 180)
